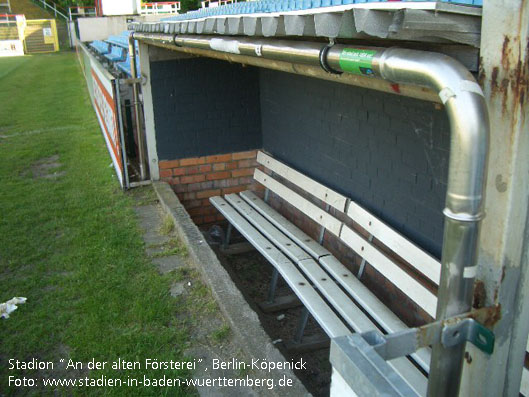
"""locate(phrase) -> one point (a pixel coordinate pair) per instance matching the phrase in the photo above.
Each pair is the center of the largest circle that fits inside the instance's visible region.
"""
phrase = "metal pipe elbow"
(468, 116)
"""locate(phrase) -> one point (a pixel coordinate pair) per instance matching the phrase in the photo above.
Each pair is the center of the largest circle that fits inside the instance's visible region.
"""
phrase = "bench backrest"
(421, 261)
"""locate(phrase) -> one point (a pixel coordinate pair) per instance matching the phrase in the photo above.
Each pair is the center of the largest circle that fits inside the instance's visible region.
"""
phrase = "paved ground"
(210, 335)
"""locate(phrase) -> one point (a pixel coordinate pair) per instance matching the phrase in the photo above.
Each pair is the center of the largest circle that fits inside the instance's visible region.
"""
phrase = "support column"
(503, 277)
(148, 111)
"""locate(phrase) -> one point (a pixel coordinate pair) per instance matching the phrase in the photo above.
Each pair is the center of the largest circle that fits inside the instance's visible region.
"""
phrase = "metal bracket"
(140, 80)
(471, 331)
(131, 81)
(450, 332)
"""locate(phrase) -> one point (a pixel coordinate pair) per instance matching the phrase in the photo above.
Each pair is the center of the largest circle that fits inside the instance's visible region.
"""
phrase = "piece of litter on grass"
(277, 341)
(10, 306)
(189, 283)
(280, 317)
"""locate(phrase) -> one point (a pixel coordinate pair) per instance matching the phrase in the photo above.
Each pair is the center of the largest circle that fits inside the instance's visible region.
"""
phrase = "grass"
(30, 10)
(172, 247)
(199, 301)
(71, 244)
(167, 225)
(221, 334)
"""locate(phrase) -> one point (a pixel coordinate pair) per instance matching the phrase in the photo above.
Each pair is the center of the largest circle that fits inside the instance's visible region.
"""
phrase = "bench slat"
(312, 211)
(318, 190)
(402, 280)
(309, 245)
(415, 256)
(290, 248)
(332, 325)
(408, 251)
(359, 321)
(337, 298)
(365, 298)
(372, 305)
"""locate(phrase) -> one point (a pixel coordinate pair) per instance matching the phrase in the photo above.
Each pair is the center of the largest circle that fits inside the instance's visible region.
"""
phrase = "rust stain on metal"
(511, 82)
(468, 357)
(494, 78)
(505, 53)
(479, 294)
(487, 316)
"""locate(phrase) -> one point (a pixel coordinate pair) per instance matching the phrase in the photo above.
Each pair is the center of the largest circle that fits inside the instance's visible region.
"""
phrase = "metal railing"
(8, 18)
(81, 12)
(212, 4)
(7, 5)
(166, 7)
(57, 10)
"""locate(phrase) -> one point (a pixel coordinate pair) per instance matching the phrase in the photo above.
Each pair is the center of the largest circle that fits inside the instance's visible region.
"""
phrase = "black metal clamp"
(323, 59)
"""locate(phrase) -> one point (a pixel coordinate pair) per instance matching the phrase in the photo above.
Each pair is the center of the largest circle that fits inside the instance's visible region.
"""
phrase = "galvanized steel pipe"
(308, 69)
(469, 124)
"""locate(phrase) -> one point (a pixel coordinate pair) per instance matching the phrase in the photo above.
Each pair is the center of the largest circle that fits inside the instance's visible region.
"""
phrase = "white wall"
(119, 7)
(101, 27)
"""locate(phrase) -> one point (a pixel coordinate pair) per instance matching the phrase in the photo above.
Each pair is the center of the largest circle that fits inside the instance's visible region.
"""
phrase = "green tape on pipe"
(357, 61)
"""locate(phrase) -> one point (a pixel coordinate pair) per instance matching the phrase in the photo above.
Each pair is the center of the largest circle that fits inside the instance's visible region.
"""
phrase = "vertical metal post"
(363, 263)
(454, 297)
(137, 109)
(302, 324)
(228, 236)
(503, 273)
(69, 24)
(126, 181)
(273, 286)
(322, 230)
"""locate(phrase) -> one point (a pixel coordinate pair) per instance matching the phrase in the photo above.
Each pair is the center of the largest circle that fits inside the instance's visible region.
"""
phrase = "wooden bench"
(333, 295)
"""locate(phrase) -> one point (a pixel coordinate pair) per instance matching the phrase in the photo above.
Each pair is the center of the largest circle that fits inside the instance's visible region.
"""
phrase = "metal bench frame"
(332, 294)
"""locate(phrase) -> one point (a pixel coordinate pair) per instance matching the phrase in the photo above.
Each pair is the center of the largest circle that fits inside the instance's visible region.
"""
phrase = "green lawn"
(71, 244)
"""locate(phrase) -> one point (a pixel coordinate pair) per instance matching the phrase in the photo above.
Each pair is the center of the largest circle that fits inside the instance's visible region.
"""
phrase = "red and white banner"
(105, 105)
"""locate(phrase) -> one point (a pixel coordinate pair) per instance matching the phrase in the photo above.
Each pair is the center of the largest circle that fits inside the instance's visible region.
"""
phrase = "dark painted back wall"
(388, 153)
(203, 106)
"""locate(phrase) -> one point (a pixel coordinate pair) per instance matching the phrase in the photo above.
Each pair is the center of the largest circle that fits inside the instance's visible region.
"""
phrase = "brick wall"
(196, 179)
(388, 153)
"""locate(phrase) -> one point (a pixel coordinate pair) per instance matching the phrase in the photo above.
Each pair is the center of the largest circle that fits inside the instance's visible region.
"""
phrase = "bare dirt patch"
(46, 168)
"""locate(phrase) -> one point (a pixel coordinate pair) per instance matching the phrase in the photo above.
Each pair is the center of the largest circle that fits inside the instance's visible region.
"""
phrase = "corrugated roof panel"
(273, 6)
